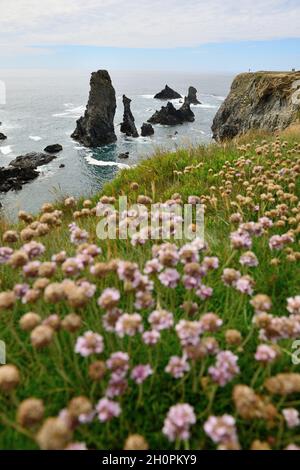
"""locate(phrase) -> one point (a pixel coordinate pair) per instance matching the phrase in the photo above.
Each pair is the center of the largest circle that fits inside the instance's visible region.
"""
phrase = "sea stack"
(146, 129)
(96, 127)
(167, 94)
(192, 96)
(128, 125)
(263, 100)
(170, 116)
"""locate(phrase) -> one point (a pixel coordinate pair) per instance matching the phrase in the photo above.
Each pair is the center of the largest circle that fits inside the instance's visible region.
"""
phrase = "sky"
(193, 35)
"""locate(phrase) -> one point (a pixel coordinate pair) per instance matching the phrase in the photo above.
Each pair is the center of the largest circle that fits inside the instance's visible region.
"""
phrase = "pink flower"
(221, 429)
(225, 369)
(76, 446)
(118, 363)
(129, 324)
(277, 242)
(293, 305)
(33, 249)
(107, 409)
(169, 278)
(178, 422)
(188, 332)
(265, 353)
(240, 239)
(244, 285)
(249, 259)
(151, 337)
(291, 416)
(161, 320)
(265, 222)
(177, 367)
(109, 298)
(5, 254)
(141, 372)
(20, 290)
(89, 343)
(204, 292)
(31, 269)
(153, 266)
(117, 386)
(88, 287)
(78, 236)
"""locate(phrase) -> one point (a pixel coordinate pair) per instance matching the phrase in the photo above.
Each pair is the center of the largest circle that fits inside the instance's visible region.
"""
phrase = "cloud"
(145, 23)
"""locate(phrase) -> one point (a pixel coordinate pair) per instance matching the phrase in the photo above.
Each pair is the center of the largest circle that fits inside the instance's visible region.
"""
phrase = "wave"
(6, 150)
(93, 161)
(71, 112)
(36, 138)
(147, 97)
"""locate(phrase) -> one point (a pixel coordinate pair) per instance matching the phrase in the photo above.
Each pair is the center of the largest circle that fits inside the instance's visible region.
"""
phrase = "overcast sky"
(34, 33)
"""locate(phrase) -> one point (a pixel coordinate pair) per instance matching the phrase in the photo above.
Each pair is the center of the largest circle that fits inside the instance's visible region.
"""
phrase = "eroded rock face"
(167, 94)
(14, 178)
(31, 160)
(192, 96)
(170, 116)
(147, 129)
(264, 100)
(96, 127)
(128, 125)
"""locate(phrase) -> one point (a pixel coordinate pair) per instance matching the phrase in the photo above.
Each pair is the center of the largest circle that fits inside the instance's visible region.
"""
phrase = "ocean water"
(42, 108)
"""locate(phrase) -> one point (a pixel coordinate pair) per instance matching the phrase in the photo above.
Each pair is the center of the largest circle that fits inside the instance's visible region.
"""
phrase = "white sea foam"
(147, 97)
(93, 161)
(205, 106)
(71, 112)
(6, 150)
(36, 138)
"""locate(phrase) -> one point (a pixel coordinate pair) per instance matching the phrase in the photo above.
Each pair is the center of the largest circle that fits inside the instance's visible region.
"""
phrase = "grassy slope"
(56, 374)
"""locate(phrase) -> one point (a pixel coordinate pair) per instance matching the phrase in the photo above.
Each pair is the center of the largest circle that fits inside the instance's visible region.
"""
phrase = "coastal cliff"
(268, 101)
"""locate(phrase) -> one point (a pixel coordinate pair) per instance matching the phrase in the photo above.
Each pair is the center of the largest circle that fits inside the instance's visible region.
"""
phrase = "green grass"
(56, 374)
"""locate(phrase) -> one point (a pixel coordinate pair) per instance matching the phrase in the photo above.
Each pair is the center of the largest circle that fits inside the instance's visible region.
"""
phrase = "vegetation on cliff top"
(159, 344)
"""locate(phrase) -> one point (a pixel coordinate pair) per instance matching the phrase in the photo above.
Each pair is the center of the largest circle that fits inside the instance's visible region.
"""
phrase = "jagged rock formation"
(192, 96)
(96, 127)
(55, 148)
(2, 136)
(264, 100)
(31, 160)
(146, 129)
(128, 125)
(167, 94)
(170, 116)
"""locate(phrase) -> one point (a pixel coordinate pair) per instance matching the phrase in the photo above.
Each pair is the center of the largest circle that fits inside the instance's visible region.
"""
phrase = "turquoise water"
(42, 108)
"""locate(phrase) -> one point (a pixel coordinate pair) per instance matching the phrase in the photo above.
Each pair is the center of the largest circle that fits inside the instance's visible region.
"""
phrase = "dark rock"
(263, 100)
(146, 129)
(128, 125)
(167, 94)
(14, 178)
(192, 96)
(2, 136)
(170, 116)
(96, 127)
(55, 148)
(62, 165)
(123, 155)
(31, 160)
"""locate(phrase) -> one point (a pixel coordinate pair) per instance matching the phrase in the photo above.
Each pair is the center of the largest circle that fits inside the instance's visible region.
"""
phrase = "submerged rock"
(31, 160)
(55, 148)
(14, 178)
(264, 100)
(123, 155)
(128, 125)
(170, 116)
(146, 129)
(96, 127)
(167, 94)
(192, 96)
(2, 136)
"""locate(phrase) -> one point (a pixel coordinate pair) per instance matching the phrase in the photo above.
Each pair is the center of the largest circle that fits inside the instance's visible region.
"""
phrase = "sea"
(40, 107)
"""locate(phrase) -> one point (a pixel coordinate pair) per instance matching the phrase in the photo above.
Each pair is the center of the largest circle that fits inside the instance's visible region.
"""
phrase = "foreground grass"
(247, 178)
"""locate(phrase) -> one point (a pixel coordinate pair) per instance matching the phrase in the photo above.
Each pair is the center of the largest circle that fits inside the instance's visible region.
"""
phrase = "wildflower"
(141, 372)
(261, 303)
(59, 258)
(31, 296)
(265, 353)
(41, 336)
(143, 300)
(293, 305)
(189, 254)
(291, 416)
(72, 322)
(54, 434)
(161, 320)
(72, 266)
(31, 269)
(47, 269)
(283, 384)
(230, 276)
(177, 367)
(41, 283)
(79, 406)
(97, 370)
(225, 369)
(117, 386)
(107, 409)
(277, 242)
(221, 429)
(210, 263)
(245, 285)
(118, 363)
(129, 324)
(240, 239)
(7, 300)
(54, 292)
(210, 322)
(153, 266)
(204, 292)
(233, 337)
(151, 337)
(109, 298)
(18, 259)
(178, 422)
(10, 236)
(5, 254)
(169, 278)
(249, 259)
(259, 445)
(136, 442)
(20, 290)
(89, 343)
(9, 377)
(250, 405)
(53, 321)
(76, 446)
(30, 412)
(109, 320)
(29, 321)
(188, 332)
(33, 249)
